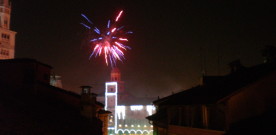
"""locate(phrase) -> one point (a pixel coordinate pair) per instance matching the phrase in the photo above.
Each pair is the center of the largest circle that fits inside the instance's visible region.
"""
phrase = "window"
(5, 37)
(4, 52)
(6, 23)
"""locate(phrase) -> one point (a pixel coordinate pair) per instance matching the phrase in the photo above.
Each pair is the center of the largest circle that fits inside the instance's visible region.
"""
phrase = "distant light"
(119, 15)
(145, 125)
(108, 24)
(129, 32)
(123, 39)
(150, 109)
(132, 125)
(138, 126)
(120, 125)
(113, 29)
(136, 107)
(121, 111)
(125, 125)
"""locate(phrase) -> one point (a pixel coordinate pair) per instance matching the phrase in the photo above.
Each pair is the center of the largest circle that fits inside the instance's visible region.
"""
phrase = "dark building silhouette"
(242, 102)
(30, 105)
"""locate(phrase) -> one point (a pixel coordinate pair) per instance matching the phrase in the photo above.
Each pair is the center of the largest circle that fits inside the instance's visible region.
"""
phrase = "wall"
(252, 100)
(178, 130)
(23, 72)
(52, 93)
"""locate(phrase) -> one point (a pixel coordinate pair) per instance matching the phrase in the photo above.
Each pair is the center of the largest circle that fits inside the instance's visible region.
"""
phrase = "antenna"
(218, 60)
(202, 61)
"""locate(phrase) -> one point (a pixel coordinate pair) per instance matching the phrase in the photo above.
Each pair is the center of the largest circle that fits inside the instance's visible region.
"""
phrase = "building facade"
(242, 102)
(36, 107)
(128, 112)
(33, 106)
(7, 36)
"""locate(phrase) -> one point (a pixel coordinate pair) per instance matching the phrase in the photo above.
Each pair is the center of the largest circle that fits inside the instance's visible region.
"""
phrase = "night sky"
(172, 41)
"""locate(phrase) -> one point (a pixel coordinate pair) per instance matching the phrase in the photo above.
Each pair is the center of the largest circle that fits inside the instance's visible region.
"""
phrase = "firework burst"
(109, 42)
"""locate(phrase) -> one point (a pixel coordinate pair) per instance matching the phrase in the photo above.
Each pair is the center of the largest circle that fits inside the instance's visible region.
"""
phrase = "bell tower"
(115, 76)
(113, 88)
(7, 37)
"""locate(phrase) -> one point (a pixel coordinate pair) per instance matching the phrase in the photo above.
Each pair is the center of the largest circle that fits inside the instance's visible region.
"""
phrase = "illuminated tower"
(128, 111)
(7, 39)
(113, 88)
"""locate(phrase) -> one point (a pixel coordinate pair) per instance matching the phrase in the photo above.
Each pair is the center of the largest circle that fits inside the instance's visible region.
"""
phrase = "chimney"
(88, 102)
(86, 89)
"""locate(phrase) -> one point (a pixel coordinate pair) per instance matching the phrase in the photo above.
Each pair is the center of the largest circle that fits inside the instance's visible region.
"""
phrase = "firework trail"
(109, 42)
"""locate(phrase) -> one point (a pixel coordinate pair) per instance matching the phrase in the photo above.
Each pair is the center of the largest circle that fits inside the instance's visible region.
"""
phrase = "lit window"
(145, 125)
(138, 126)
(132, 125)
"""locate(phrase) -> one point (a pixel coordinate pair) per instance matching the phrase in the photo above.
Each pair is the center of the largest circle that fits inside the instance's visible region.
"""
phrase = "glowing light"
(136, 107)
(150, 109)
(151, 126)
(111, 94)
(126, 131)
(86, 26)
(113, 29)
(120, 28)
(86, 18)
(104, 40)
(123, 39)
(129, 32)
(108, 24)
(117, 18)
(121, 112)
